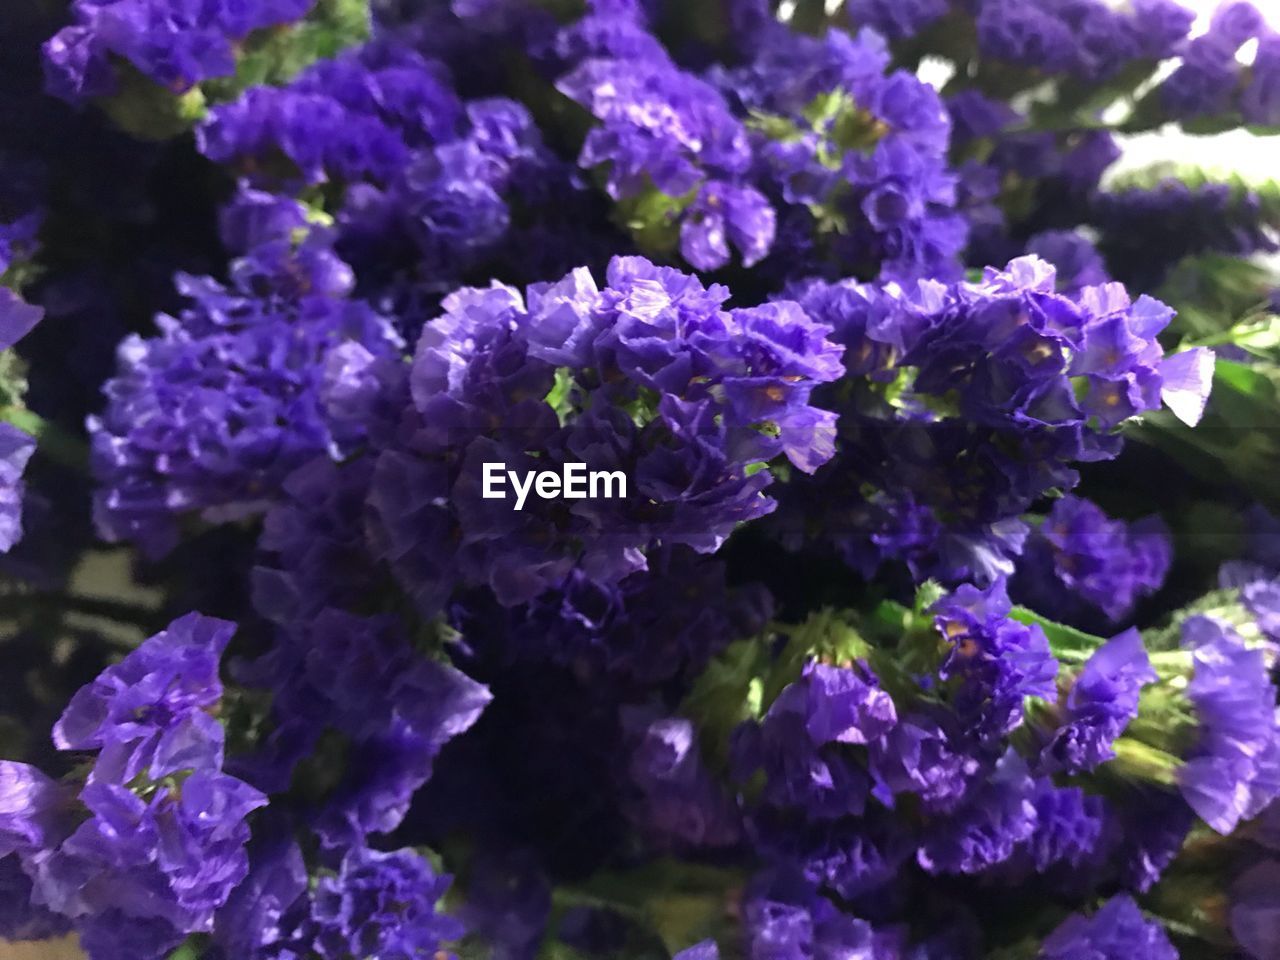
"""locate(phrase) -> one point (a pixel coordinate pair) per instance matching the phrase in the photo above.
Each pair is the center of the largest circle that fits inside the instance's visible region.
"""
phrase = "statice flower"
(422, 184)
(1100, 41)
(1088, 39)
(312, 549)
(1101, 702)
(896, 21)
(1117, 929)
(357, 117)
(996, 662)
(174, 43)
(1234, 771)
(1207, 80)
(797, 742)
(1147, 231)
(18, 245)
(648, 376)
(1077, 260)
(676, 803)
(852, 156)
(926, 756)
(976, 400)
(1253, 910)
(32, 808)
(383, 905)
(20, 919)
(1029, 34)
(211, 415)
(998, 816)
(1260, 101)
(658, 626)
(363, 903)
(159, 844)
(360, 677)
(667, 138)
(16, 448)
(785, 919)
(1069, 825)
(1079, 563)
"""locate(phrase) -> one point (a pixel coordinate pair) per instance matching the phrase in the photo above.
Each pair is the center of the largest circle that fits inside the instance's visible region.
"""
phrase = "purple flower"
(1089, 39)
(853, 159)
(1117, 929)
(1145, 232)
(998, 662)
(1078, 262)
(266, 912)
(897, 20)
(920, 756)
(32, 809)
(1101, 702)
(658, 124)
(996, 818)
(678, 803)
(724, 214)
(162, 845)
(1079, 563)
(1234, 771)
(706, 950)
(360, 676)
(383, 905)
(20, 919)
(997, 389)
(1026, 33)
(17, 318)
(785, 919)
(1069, 825)
(1260, 102)
(148, 712)
(852, 857)
(216, 411)
(1187, 379)
(798, 741)
(174, 43)
(16, 448)
(656, 382)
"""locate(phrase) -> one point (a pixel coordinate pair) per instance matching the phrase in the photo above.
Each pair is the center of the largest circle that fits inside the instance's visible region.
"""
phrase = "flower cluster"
(897, 613)
(649, 377)
(154, 843)
(173, 43)
(852, 156)
(1150, 230)
(1078, 564)
(977, 399)
(215, 412)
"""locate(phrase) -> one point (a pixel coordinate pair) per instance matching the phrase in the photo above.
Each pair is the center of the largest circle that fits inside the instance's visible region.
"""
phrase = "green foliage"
(1213, 295)
(726, 694)
(1239, 437)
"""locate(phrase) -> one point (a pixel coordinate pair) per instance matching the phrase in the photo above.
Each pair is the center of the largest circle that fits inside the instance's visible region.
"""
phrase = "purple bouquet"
(637, 480)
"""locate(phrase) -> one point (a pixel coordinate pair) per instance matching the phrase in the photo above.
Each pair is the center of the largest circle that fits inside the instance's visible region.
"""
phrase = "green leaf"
(722, 697)
(1237, 441)
(149, 111)
(559, 397)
